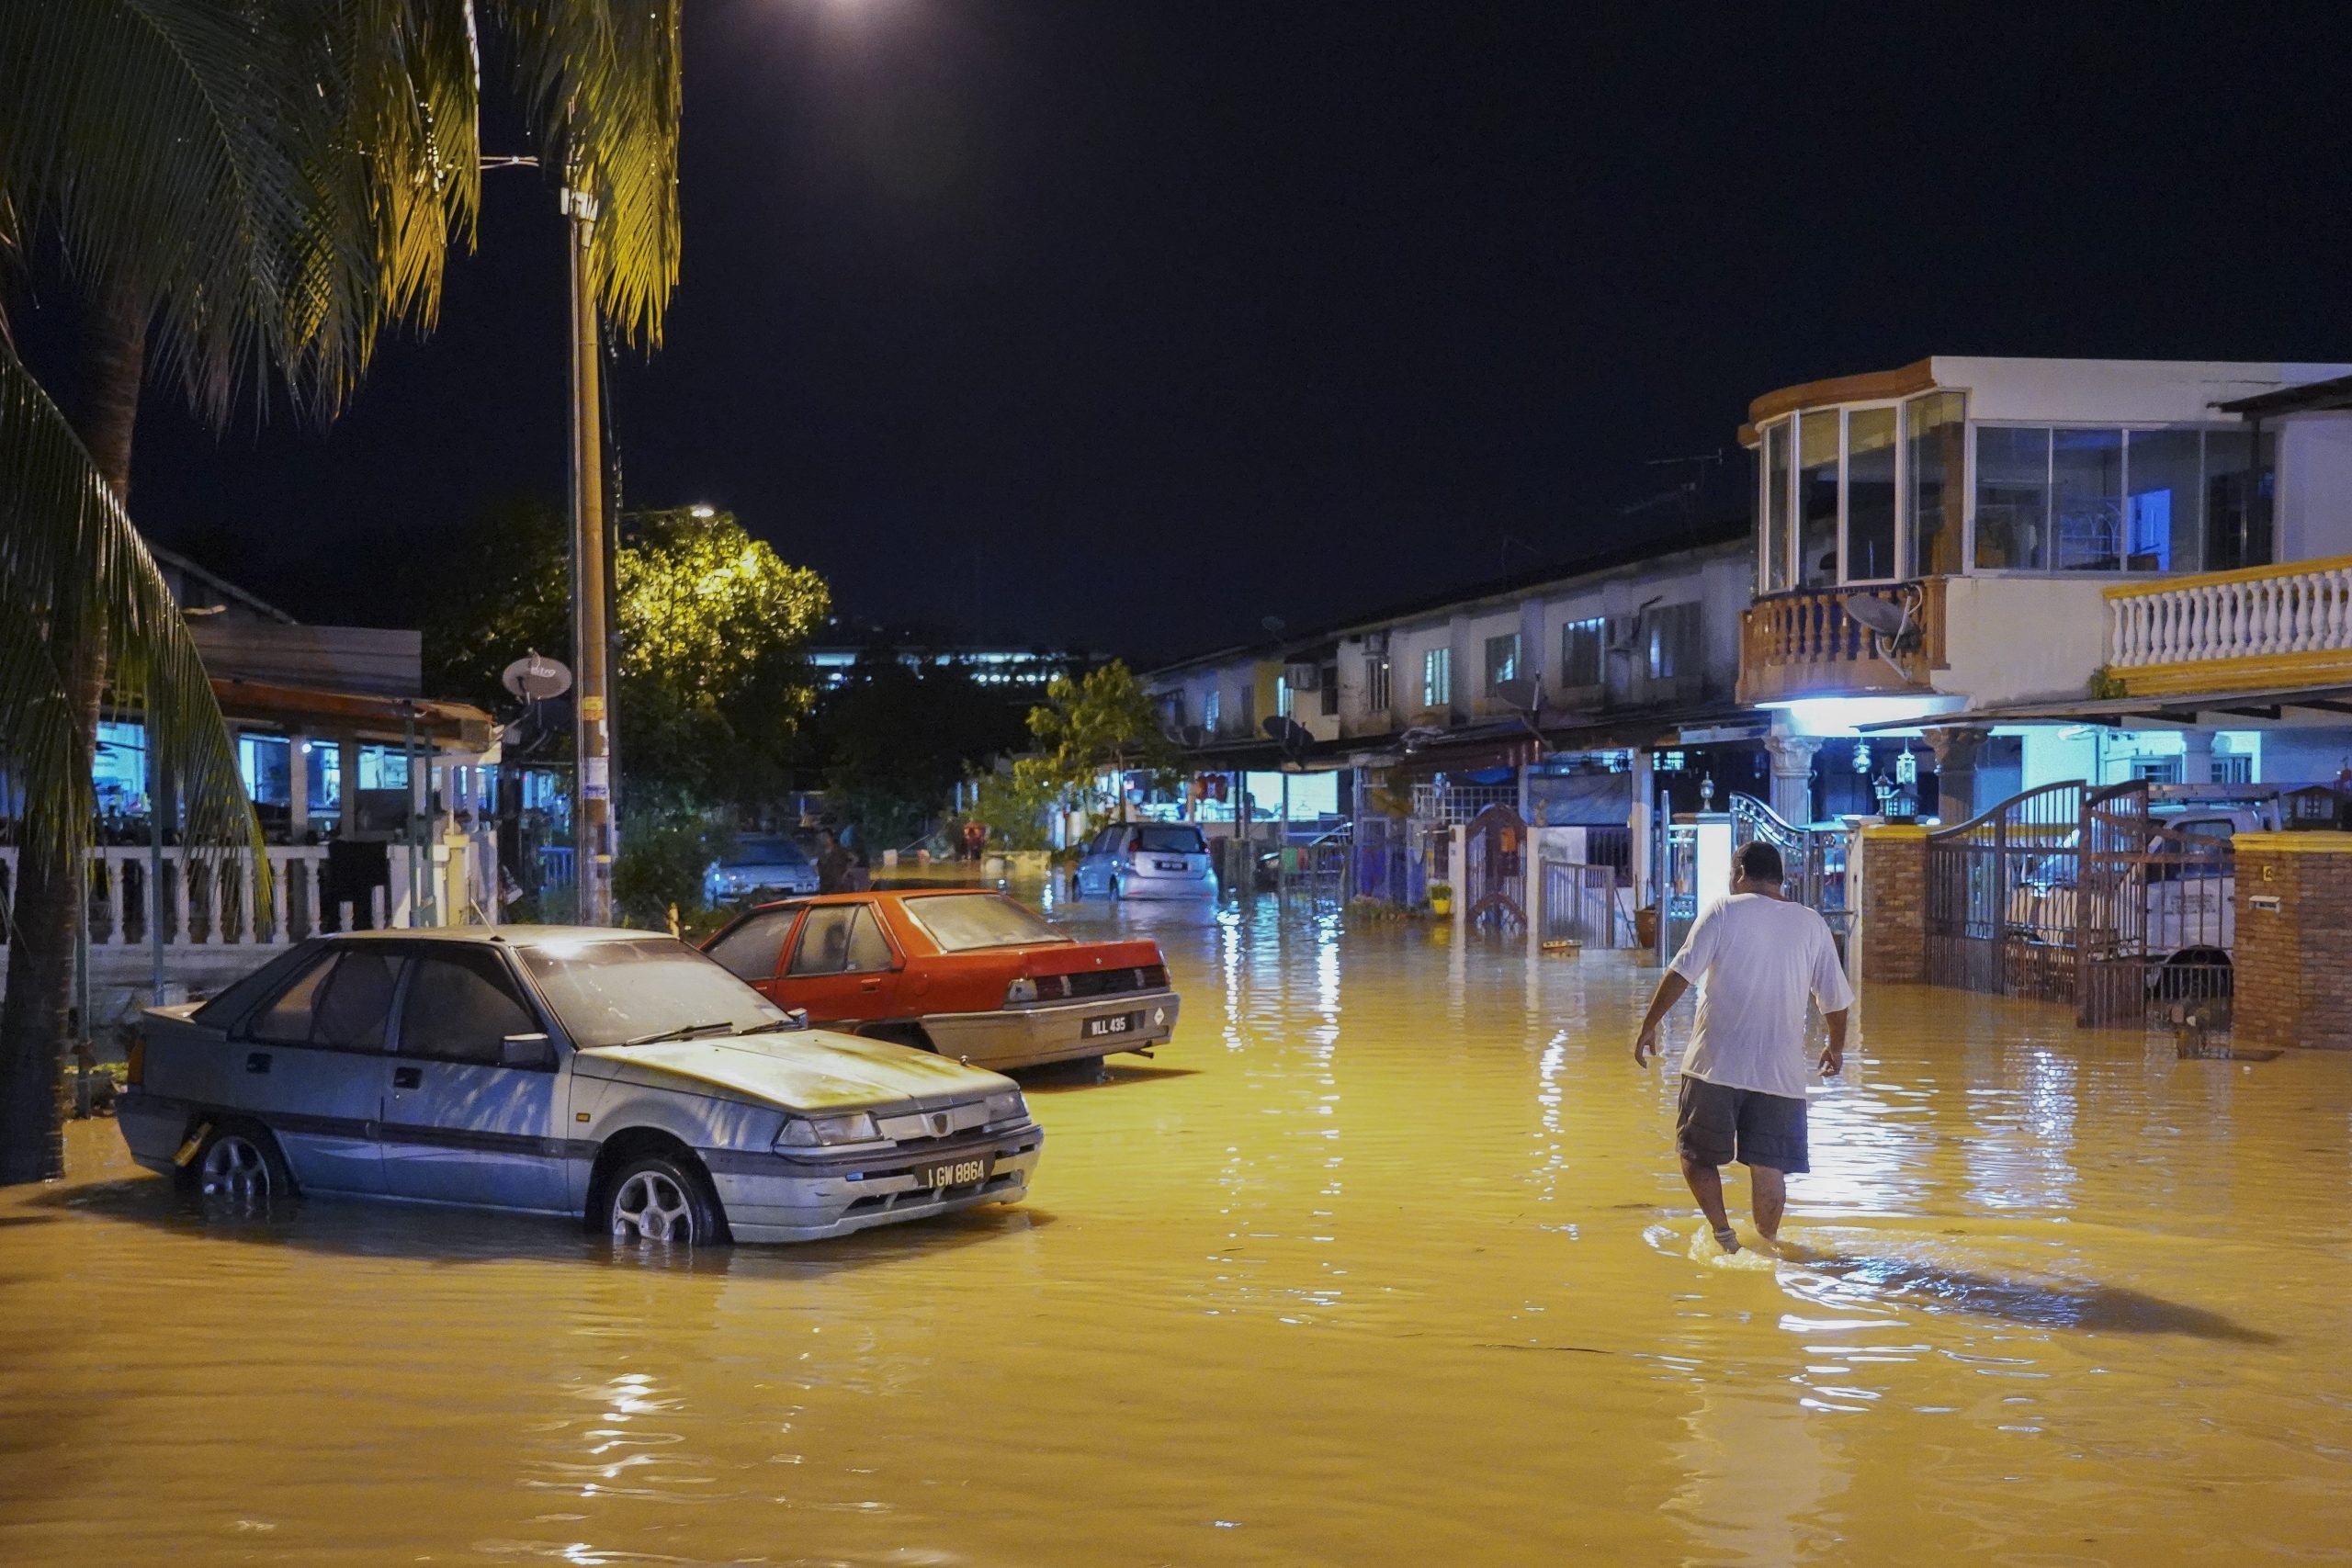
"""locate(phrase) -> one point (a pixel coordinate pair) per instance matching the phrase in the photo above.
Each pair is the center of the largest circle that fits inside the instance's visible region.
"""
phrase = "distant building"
(1020, 671)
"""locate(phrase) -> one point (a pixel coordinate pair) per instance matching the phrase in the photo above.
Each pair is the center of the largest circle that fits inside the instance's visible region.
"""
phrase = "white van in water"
(2187, 887)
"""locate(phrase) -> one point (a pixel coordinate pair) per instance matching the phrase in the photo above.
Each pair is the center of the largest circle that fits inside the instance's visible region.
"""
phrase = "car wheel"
(656, 1198)
(239, 1161)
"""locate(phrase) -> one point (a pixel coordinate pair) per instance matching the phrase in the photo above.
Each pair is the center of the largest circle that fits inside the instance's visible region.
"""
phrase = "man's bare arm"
(1833, 1061)
(1671, 986)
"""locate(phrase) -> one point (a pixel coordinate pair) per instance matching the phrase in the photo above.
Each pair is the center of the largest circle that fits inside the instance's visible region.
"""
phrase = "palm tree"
(243, 195)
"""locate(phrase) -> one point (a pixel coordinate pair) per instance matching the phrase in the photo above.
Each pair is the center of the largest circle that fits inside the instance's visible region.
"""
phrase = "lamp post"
(591, 647)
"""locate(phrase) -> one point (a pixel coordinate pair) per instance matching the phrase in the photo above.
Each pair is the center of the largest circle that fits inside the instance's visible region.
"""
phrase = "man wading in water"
(1756, 958)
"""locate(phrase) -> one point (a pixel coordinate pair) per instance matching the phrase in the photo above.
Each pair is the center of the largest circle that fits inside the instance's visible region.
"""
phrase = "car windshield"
(611, 993)
(961, 922)
(1172, 840)
(766, 849)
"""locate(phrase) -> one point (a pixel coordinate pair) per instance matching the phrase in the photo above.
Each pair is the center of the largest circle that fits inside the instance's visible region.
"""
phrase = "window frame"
(1510, 665)
(1437, 676)
(1599, 628)
(518, 987)
(792, 914)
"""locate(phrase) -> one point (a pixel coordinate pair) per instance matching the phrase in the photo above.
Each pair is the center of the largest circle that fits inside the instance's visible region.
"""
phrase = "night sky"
(1130, 323)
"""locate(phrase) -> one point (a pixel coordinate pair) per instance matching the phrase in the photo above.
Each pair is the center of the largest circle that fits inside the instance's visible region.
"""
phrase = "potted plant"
(1440, 897)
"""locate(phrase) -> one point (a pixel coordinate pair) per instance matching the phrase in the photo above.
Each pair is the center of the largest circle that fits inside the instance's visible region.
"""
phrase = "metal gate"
(1496, 868)
(1579, 904)
(2078, 895)
(1814, 858)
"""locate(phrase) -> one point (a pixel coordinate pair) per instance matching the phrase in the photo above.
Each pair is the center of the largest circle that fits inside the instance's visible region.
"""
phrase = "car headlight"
(816, 1131)
(1007, 1107)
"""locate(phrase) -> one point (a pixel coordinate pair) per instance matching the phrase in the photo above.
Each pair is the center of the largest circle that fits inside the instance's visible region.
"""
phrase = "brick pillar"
(1895, 904)
(2294, 905)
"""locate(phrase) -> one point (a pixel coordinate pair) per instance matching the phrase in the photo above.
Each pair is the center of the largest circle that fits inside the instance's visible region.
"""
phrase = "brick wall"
(2293, 980)
(1895, 904)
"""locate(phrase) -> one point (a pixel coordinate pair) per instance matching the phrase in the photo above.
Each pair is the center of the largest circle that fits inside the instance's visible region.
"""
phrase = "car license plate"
(954, 1173)
(1168, 866)
(1117, 1023)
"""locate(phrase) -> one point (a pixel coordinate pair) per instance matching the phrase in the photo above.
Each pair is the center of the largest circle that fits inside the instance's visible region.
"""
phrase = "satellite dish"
(535, 677)
(1524, 694)
(1420, 734)
(1273, 625)
(1890, 625)
(1295, 737)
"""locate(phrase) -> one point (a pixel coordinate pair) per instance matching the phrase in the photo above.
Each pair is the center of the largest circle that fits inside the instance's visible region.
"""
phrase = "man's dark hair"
(1759, 861)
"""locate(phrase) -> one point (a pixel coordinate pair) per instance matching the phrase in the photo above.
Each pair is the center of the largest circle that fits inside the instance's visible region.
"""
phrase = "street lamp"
(591, 645)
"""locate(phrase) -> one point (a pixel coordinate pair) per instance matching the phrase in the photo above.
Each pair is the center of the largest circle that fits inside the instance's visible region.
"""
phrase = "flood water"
(1385, 1262)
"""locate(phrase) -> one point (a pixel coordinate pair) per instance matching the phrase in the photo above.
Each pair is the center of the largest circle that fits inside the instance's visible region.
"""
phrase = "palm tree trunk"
(45, 912)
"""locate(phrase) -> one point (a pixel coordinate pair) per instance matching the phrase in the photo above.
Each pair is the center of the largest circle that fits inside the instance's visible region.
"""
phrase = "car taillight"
(134, 1073)
(1052, 987)
(1151, 976)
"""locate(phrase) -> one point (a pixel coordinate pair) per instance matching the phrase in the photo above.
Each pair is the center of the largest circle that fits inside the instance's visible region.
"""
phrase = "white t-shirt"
(1756, 960)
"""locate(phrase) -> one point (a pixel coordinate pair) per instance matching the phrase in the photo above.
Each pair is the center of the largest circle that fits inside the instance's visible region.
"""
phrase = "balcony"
(2223, 631)
(1804, 644)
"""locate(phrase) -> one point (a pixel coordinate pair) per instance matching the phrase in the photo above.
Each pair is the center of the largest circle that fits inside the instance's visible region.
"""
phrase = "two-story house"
(2059, 569)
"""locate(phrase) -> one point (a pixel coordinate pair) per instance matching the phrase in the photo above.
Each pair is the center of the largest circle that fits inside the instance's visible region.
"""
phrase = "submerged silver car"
(614, 1075)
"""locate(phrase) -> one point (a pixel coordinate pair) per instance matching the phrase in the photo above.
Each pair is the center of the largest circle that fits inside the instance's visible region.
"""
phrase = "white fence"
(2304, 607)
(212, 906)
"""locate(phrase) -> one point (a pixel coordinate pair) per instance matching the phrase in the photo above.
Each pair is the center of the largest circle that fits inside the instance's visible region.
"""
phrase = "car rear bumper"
(1031, 1036)
(771, 1198)
(1136, 883)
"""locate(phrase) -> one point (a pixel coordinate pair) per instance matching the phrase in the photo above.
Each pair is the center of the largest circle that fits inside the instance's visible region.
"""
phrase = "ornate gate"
(1815, 858)
(1496, 868)
(2048, 895)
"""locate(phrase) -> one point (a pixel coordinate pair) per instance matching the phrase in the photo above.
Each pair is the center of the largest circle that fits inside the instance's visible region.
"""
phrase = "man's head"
(1757, 865)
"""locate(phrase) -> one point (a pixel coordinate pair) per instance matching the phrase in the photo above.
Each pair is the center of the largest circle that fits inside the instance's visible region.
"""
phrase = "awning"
(383, 717)
(2295, 707)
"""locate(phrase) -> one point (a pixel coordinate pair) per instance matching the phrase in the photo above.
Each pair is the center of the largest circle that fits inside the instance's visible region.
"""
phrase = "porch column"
(348, 749)
(297, 787)
(1956, 748)
(1793, 775)
(2197, 756)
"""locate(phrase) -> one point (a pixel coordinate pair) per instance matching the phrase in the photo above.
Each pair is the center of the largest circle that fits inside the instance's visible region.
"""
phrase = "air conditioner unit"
(1376, 644)
(1303, 677)
(1624, 634)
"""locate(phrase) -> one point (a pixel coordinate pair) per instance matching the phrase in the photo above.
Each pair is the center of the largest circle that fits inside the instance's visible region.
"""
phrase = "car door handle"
(408, 1077)
(870, 985)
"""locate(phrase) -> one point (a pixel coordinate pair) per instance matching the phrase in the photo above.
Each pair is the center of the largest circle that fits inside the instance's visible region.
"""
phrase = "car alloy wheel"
(659, 1198)
(234, 1167)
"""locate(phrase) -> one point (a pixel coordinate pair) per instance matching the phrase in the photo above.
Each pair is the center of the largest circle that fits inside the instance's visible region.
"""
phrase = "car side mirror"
(796, 1018)
(527, 1050)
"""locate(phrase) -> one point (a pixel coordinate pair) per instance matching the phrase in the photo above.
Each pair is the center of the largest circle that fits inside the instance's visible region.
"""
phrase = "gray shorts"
(1716, 1124)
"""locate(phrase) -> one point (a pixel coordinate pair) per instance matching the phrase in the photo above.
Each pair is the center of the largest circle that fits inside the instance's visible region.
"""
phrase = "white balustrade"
(2303, 607)
(209, 901)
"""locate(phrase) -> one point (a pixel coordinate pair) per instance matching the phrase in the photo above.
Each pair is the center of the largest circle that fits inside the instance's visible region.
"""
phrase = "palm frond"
(601, 81)
(69, 556)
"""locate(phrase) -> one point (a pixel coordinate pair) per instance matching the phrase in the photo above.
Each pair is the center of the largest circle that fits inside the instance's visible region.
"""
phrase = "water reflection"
(1383, 1260)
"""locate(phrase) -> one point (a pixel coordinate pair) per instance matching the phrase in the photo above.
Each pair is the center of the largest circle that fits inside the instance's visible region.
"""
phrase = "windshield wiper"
(683, 1032)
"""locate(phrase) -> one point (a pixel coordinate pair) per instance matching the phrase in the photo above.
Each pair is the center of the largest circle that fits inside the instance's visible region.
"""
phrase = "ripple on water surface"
(1384, 1260)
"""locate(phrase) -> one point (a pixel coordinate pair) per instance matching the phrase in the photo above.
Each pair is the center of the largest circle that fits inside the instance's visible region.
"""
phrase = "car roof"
(875, 894)
(519, 936)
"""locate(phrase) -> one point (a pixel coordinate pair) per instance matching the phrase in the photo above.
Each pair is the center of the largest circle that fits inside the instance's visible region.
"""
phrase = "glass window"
(1208, 713)
(2164, 519)
(751, 950)
(1870, 495)
(223, 1010)
(611, 992)
(1437, 677)
(1580, 653)
(1671, 641)
(869, 950)
(1502, 660)
(964, 922)
(288, 1018)
(1817, 565)
(1774, 547)
(1281, 695)
(823, 948)
(1375, 683)
(267, 763)
(1326, 689)
(2238, 498)
(1936, 426)
(2012, 496)
(2086, 500)
(461, 1006)
(1170, 839)
(119, 769)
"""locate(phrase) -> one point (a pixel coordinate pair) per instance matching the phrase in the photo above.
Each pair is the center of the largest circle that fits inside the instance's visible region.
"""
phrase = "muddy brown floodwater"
(1386, 1261)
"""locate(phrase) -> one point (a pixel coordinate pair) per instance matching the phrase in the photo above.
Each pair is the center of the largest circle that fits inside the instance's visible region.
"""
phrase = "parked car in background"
(2183, 882)
(1145, 860)
(761, 866)
(613, 1074)
(965, 972)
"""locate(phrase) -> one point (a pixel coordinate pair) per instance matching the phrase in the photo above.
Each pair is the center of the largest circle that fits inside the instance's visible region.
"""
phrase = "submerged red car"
(960, 971)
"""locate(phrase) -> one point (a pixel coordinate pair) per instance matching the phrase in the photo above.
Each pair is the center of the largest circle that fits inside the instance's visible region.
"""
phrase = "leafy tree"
(1014, 805)
(1103, 723)
(896, 741)
(246, 191)
(667, 842)
(712, 684)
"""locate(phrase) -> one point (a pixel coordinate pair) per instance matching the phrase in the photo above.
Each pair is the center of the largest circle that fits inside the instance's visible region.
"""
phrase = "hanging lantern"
(1862, 755)
(1906, 767)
